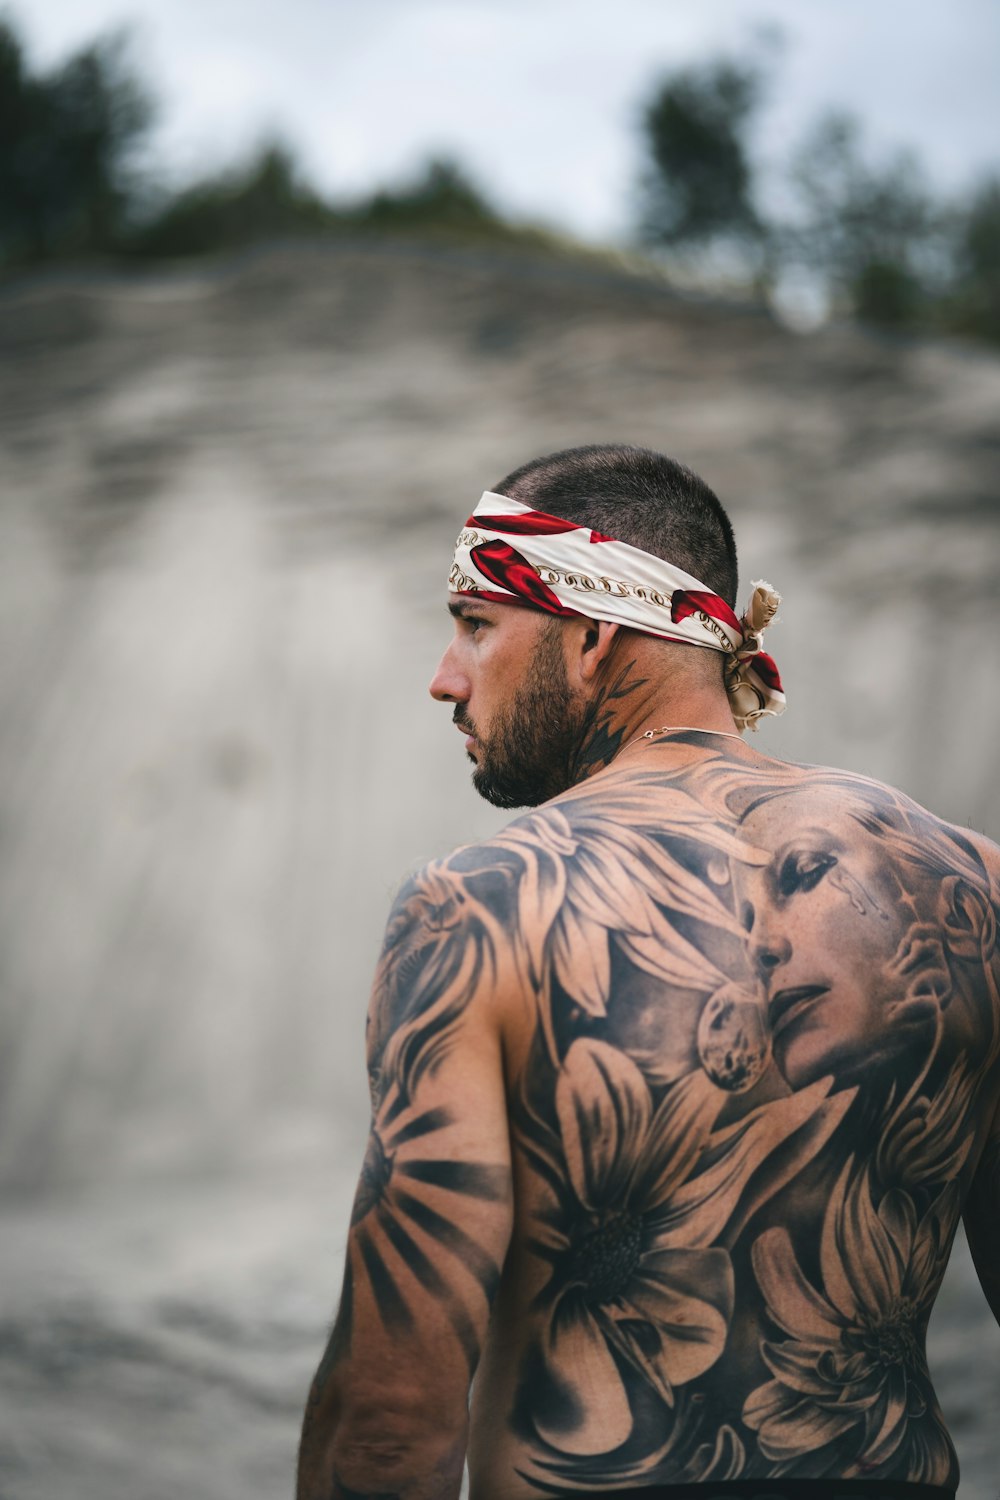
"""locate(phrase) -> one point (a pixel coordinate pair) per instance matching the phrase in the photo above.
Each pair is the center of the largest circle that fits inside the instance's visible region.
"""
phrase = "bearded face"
(526, 752)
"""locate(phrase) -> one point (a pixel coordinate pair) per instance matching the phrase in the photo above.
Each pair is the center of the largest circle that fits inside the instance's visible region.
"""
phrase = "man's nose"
(449, 684)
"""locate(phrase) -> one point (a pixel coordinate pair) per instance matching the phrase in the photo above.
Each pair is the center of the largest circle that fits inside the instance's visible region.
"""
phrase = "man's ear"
(592, 642)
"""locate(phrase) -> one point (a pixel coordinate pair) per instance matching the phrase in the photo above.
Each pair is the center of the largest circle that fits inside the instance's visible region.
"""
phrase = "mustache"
(464, 724)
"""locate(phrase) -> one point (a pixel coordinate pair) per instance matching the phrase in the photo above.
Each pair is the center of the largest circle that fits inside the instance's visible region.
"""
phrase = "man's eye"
(803, 870)
(473, 622)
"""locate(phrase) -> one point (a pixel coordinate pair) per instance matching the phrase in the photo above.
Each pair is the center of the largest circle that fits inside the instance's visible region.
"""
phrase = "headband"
(566, 569)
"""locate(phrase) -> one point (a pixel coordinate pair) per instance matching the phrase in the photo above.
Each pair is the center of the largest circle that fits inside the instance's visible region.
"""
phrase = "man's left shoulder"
(453, 956)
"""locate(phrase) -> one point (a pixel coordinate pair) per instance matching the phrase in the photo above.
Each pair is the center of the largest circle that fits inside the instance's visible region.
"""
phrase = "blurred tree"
(973, 302)
(442, 196)
(698, 188)
(67, 145)
(871, 233)
(266, 197)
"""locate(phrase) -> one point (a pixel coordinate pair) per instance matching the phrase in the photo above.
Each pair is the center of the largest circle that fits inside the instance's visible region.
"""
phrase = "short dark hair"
(637, 496)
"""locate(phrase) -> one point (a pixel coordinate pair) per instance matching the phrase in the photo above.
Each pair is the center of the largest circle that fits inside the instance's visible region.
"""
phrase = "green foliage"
(698, 187)
(67, 185)
(870, 232)
(441, 196)
(263, 199)
(268, 198)
(888, 294)
(973, 302)
(67, 140)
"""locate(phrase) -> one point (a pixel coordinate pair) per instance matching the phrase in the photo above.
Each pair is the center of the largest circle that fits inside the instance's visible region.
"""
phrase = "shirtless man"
(681, 1083)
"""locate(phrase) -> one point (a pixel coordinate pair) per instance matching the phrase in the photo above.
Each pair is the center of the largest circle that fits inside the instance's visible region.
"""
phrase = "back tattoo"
(751, 1025)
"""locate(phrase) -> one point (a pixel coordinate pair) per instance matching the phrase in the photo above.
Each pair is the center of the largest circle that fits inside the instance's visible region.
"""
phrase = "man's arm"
(388, 1409)
(981, 1214)
(982, 1217)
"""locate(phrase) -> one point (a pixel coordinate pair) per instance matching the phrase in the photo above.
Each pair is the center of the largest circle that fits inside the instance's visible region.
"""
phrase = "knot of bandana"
(509, 553)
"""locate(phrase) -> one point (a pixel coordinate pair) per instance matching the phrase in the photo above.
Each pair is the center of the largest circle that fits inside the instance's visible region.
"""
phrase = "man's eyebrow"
(459, 608)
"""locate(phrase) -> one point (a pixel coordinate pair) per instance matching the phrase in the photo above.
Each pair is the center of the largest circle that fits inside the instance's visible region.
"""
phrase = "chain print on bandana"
(585, 583)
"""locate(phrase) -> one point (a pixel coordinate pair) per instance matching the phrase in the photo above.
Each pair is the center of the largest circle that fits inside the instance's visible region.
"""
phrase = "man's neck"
(631, 702)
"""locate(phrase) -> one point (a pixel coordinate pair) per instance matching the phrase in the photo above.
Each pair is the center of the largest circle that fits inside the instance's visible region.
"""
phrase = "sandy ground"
(227, 502)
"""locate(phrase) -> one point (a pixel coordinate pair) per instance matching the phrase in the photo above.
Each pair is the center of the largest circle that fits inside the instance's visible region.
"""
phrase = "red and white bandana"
(512, 554)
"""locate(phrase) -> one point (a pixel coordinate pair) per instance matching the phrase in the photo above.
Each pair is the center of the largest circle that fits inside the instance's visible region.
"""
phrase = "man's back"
(681, 1083)
(751, 1049)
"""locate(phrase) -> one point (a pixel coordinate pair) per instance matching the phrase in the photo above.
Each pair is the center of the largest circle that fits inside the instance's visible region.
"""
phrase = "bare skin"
(680, 1086)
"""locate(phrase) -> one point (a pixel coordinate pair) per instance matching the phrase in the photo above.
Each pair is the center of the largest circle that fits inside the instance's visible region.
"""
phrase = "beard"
(531, 750)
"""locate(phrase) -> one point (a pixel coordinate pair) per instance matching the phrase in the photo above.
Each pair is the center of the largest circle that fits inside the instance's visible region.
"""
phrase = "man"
(681, 1083)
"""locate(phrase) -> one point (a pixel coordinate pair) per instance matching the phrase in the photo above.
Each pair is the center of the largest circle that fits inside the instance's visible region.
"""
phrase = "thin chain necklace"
(650, 734)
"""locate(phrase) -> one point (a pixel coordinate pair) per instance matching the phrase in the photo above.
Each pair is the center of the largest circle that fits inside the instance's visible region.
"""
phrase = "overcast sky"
(538, 98)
